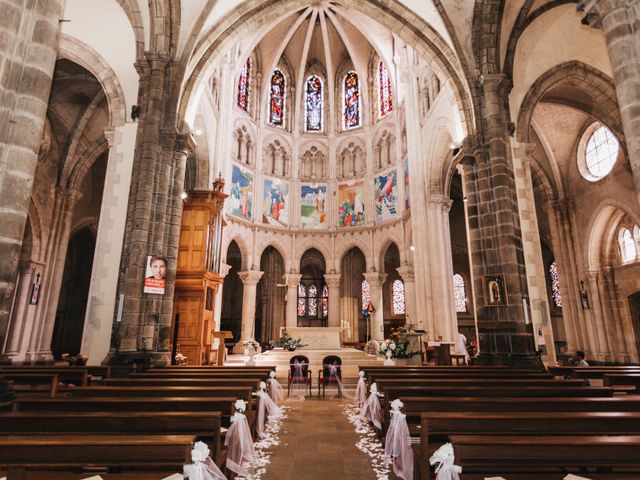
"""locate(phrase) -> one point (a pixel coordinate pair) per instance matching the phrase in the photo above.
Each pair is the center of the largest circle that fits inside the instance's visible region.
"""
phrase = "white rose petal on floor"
(369, 442)
(271, 438)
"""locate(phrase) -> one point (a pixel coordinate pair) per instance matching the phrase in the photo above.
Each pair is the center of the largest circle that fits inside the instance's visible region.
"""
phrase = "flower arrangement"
(398, 345)
(240, 405)
(253, 343)
(288, 342)
(200, 452)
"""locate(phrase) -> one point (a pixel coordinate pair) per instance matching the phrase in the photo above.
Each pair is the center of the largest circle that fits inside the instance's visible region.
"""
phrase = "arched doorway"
(352, 268)
(393, 299)
(270, 306)
(313, 293)
(232, 290)
(72, 303)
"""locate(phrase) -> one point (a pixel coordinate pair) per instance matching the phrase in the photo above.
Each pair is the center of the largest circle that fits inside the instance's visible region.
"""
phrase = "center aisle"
(319, 443)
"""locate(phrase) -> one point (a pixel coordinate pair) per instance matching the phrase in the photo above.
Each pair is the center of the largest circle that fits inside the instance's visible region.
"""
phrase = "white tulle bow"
(276, 391)
(398, 444)
(445, 458)
(202, 468)
(240, 449)
(267, 410)
(361, 391)
(371, 408)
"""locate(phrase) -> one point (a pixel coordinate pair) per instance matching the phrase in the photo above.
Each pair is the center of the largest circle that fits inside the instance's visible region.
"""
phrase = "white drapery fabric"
(361, 390)
(202, 468)
(398, 443)
(445, 458)
(335, 378)
(240, 450)
(267, 409)
(276, 392)
(371, 408)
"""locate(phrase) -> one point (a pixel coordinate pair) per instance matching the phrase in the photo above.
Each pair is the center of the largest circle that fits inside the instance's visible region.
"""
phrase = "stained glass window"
(384, 86)
(243, 86)
(397, 291)
(277, 103)
(351, 100)
(325, 301)
(302, 300)
(459, 293)
(636, 236)
(602, 152)
(313, 302)
(313, 104)
(627, 245)
(366, 294)
(555, 285)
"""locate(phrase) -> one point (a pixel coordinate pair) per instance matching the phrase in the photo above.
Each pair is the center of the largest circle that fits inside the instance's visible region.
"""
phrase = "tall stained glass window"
(397, 293)
(351, 100)
(313, 300)
(366, 294)
(555, 285)
(243, 86)
(627, 245)
(277, 99)
(325, 301)
(302, 300)
(384, 91)
(459, 293)
(313, 104)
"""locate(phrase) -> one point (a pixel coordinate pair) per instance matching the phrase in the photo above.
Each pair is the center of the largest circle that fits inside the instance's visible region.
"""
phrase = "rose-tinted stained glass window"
(244, 87)
(459, 293)
(325, 301)
(277, 100)
(351, 100)
(384, 86)
(555, 284)
(302, 300)
(397, 291)
(313, 104)
(366, 294)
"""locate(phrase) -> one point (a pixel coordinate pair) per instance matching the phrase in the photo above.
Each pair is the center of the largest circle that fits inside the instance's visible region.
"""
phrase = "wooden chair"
(331, 373)
(299, 373)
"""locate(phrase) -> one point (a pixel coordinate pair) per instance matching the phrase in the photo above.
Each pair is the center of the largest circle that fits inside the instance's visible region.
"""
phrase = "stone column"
(376, 280)
(292, 280)
(333, 284)
(250, 279)
(17, 325)
(619, 19)
(29, 48)
(494, 231)
(56, 258)
(536, 274)
(217, 312)
(104, 275)
(409, 278)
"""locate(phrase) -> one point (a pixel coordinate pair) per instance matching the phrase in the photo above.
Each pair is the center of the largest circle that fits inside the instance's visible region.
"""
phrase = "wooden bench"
(170, 391)
(437, 428)
(75, 375)
(184, 382)
(569, 371)
(202, 375)
(157, 452)
(203, 425)
(382, 383)
(612, 379)
(552, 454)
(375, 377)
(47, 383)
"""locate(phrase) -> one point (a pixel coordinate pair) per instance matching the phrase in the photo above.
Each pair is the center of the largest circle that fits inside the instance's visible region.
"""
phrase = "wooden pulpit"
(197, 275)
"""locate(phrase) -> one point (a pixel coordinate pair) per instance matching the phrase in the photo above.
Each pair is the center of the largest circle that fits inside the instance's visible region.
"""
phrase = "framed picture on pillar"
(494, 290)
(35, 294)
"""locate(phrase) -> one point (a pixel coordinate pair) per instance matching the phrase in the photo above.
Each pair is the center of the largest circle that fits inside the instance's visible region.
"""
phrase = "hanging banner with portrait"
(155, 275)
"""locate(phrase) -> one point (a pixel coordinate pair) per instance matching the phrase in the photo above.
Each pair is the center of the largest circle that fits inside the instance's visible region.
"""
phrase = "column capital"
(250, 277)
(407, 273)
(70, 197)
(224, 269)
(375, 279)
(524, 149)
(292, 279)
(110, 135)
(332, 279)
(440, 201)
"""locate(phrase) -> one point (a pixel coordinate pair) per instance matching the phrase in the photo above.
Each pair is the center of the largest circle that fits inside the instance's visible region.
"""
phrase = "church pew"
(169, 391)
(185, 382)
(533, 453)
(599, 374)
(158, 452)
(103, 371)
(374, 377)
(202, 375)
(611, 379)
(74, 375)
(436, 428)
(382, 383)
(130, 404)
(221, 368)
(570, 370)
(47, 383)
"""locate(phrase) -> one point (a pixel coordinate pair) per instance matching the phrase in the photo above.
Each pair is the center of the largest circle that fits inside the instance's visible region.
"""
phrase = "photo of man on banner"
(154, 281)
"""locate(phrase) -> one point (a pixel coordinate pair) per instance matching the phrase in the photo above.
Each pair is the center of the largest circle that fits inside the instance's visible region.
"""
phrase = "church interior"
(243, 237)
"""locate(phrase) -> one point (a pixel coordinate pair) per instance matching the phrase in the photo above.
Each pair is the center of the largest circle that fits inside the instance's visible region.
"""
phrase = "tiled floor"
(318, 442)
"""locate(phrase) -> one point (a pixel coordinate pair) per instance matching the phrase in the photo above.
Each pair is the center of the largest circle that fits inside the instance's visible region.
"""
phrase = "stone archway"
(232, 290)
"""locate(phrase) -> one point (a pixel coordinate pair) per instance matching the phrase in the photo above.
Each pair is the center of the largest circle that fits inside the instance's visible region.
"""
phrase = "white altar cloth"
(317, 338)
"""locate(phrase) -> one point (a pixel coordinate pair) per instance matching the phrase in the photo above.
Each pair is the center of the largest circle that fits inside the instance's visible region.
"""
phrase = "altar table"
(317, 338)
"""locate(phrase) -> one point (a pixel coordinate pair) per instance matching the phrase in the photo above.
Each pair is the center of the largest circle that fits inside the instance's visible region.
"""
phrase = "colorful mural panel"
(386, 196)
(241, 193)
(275, 199)
(313, 206)
(351, 204)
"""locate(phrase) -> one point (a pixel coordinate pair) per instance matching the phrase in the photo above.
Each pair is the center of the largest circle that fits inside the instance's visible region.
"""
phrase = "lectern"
(198, 273)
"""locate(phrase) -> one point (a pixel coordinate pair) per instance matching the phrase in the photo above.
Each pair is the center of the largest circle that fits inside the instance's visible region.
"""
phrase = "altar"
(316, 338)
